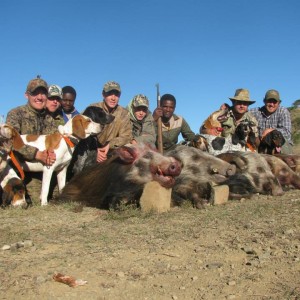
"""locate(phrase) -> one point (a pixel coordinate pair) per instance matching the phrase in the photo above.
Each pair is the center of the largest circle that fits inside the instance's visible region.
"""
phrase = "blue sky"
(199, 51)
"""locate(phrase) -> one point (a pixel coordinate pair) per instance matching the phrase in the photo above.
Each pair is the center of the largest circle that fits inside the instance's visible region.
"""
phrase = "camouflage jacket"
(143, 131)
(118, 132)
(58, 118)
(27, 120)
(230, 125)
(170, 134)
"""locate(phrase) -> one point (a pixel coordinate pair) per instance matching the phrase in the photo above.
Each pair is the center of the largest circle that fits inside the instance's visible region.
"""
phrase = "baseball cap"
(272, 94)
(111, 86)
(35, 84)
(54, 91)
(140, 100)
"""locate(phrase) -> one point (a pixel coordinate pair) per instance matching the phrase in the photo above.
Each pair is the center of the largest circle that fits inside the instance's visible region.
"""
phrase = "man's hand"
(266, 131)
(46, 157)
(102, 153)
(158, 112)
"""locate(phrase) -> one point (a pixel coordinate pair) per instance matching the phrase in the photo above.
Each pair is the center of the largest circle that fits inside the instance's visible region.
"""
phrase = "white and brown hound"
(62, 142)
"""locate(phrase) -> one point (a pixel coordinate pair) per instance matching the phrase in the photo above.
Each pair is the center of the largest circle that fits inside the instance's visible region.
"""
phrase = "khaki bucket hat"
(242, 95)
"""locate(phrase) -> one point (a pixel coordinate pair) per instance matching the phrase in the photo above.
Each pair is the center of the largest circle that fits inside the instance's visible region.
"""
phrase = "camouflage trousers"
(33, 182)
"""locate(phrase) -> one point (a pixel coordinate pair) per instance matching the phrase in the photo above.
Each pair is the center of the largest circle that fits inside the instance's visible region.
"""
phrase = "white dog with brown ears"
(62, 142)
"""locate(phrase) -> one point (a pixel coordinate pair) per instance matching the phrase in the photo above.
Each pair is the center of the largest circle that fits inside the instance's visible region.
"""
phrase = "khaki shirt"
(170, 134)
(118, 132)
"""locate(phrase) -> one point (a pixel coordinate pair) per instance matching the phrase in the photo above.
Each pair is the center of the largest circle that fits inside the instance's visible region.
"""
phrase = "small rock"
(6, 247)
(249, 250)
(20, 244)
(215, 265)
(174, 297)
(253, 263)
(40, 279)
(289, 231)
(28, 243)
(182, 288)
(231, 297)
(13, 247)
(194, 278)
(231, 283)
(121, 274)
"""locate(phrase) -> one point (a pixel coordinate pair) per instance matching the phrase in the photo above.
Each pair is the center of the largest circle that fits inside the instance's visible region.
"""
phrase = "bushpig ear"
(78, 128)
(127, 154)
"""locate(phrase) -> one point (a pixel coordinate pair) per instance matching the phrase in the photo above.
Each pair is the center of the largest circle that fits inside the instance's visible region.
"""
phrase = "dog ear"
(282, 137)
(78, 128)
(7, 195)
(17, 140)
(268, 138)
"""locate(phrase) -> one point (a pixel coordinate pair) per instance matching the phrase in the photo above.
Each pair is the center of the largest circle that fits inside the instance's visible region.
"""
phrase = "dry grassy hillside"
(295, 116)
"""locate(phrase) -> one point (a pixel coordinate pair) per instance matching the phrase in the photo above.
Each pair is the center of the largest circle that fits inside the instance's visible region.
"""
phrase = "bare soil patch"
(242, 250)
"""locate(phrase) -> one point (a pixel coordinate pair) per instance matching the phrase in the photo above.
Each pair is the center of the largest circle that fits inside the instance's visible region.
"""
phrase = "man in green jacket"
(172, 125)
(141, 120)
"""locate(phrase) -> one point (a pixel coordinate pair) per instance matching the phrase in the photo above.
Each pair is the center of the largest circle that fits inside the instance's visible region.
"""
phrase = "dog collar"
(68, 141)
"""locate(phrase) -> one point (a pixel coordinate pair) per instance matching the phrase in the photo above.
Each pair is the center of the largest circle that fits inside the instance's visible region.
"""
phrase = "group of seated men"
(50, 106)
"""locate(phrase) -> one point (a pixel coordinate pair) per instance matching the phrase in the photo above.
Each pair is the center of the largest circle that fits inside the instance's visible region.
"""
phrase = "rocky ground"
(241, 250)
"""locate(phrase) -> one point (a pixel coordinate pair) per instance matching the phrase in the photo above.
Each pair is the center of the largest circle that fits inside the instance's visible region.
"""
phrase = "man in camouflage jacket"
(32, 118)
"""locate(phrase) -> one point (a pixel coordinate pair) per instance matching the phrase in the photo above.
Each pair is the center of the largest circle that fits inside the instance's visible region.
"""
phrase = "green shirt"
(230, 125)
(171, 131)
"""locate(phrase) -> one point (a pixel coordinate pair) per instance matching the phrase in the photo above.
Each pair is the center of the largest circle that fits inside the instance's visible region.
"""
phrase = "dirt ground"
(241, 250)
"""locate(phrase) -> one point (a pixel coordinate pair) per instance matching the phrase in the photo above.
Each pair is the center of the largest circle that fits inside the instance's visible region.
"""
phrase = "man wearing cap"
(172, 125)
(141, 120)
(32, 118)
(53, 104)
(273, 116)
(118, 132)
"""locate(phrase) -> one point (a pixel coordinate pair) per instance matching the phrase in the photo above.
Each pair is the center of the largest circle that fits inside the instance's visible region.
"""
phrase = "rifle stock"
(159, 125)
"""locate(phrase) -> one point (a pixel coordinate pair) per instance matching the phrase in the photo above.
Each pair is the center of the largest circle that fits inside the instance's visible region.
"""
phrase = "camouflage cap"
(242, 95)
(140, 100)
(36, 83)
(54, 91)
(272, 94)
(111, 86)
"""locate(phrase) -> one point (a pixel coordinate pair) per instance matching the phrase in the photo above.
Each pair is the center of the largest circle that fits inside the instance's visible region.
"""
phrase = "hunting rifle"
(159, 124)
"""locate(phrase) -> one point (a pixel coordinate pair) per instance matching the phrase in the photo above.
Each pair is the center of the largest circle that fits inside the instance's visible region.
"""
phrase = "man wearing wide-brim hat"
(274, 116)
(238, 113)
